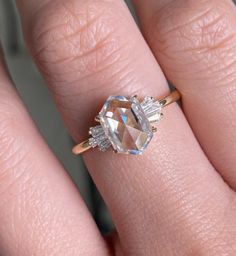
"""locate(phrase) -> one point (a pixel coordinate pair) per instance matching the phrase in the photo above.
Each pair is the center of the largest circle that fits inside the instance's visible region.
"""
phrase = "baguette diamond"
(152, 109)
(99, 138)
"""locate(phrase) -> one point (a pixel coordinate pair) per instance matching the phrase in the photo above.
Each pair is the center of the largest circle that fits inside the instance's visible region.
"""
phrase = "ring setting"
(126, 124)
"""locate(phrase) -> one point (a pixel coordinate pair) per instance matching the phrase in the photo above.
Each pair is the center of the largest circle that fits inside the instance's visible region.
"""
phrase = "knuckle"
(199, 35)
(75, 39)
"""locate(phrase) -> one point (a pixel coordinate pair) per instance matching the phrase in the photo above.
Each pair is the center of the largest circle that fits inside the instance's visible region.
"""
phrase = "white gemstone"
(126, 125)
(99, 138)
(152, 109)
(93, 142)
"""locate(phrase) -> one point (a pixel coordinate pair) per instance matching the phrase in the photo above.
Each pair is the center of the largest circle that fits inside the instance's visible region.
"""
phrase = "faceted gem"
(126, 125)
(152, 109)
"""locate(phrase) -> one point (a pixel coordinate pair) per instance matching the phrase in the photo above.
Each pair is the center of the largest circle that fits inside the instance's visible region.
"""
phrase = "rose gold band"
(81, 148)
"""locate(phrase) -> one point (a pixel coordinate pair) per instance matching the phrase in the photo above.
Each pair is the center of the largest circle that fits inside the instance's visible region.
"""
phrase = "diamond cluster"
(99, 138)
(125, 124)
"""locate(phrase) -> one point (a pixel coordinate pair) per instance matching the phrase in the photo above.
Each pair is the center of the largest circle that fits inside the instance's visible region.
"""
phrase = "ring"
(126, 124)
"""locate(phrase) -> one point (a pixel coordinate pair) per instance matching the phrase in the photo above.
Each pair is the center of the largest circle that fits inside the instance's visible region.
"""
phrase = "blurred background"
(37, 99)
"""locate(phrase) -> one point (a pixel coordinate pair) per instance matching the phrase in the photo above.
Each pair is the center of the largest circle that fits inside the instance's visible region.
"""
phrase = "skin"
(179, 197)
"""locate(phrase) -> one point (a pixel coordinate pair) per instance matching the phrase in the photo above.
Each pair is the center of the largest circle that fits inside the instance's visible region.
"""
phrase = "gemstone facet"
(126, 125)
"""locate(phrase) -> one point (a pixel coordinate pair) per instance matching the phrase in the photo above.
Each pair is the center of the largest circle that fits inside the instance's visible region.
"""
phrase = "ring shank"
(171, 98)
(81, 148)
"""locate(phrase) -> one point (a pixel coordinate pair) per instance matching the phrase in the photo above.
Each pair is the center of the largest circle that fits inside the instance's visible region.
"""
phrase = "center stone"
(126, 125)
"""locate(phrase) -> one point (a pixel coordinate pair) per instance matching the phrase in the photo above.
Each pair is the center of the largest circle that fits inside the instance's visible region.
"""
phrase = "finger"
(88, 50)
(195, 42)
(41, 212)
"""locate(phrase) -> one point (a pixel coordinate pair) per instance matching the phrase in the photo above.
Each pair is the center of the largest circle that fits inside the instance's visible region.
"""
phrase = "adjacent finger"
(73, 42)
(88, 50)
(195, 42)
(41, 212)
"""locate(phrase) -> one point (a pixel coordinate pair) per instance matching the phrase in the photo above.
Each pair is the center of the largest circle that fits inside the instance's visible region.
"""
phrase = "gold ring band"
(86, 145)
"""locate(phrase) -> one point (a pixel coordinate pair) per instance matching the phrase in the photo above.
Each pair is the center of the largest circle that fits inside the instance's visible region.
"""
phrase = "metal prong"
(134, 96)
(154, 129)
(97, 119)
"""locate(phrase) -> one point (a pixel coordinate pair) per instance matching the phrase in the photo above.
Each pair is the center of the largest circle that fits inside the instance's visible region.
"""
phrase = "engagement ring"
(126, 124)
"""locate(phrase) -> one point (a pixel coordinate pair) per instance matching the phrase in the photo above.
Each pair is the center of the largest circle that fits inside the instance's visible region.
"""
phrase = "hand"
(179, 197)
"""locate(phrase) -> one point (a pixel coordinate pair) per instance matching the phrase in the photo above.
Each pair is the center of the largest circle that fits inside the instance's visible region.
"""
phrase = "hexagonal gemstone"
(126, 125)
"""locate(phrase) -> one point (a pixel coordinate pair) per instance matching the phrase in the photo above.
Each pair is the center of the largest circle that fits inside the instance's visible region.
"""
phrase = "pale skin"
(179, 197)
